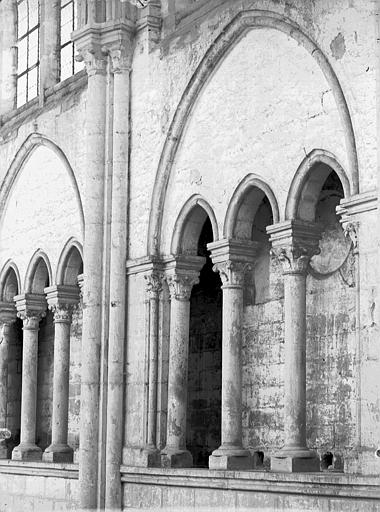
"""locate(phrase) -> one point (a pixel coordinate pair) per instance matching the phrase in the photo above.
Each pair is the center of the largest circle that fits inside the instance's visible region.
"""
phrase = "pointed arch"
(70, 263)
(9, 276)
(249, 183)
(233, 32)
(308, 179)
(39, 274)
(24, 153)
(189, 225)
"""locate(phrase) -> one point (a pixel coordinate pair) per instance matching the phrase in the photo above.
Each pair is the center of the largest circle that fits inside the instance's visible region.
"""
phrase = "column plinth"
(181, 282)
(232, 259)
(294, 243)
(61, 301)
(8, 316)
(31, 308)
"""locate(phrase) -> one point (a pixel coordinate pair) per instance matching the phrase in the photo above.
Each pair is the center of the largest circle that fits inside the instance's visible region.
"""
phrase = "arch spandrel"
(232, 34)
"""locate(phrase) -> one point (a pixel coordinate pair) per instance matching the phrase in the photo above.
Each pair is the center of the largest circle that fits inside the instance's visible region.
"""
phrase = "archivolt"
(230, 35)
(31, 143)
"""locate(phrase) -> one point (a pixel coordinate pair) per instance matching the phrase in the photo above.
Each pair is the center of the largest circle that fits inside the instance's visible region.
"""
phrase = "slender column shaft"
(118, 258)
(175, 453)
(231, 367)
(178, 367)
(295, 360)
(29, 381)
(59, 451)
(93, 265)
(294, 243)
(4, 356)
(153, 371)
(61, 382)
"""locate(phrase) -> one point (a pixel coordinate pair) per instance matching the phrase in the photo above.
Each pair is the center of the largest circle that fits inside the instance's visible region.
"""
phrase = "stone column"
(90, 48)
(31, 308)
(232, 259)
(181, 280)
(294, 243)
(121, 55)
(7, 318)
(61, 301)
(154, 288)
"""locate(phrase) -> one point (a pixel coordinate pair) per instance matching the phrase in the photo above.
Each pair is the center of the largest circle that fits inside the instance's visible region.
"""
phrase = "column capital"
(8, 313)
(31, 308)
(233, 259)
(154, 283)
(294, 243)
(182, 274)
(62, 300)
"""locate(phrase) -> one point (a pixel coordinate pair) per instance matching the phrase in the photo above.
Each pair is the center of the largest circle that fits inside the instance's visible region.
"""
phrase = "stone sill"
(325, 484)
(47, 469)
(12, 120)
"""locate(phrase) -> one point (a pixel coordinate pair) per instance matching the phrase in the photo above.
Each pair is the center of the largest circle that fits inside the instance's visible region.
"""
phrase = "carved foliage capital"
(120, 59)
(232, 273)
(180, 285)
(31, 318)
(351, 231)
(62, 312)
(295, 258)
(95, 60)
(153, 284)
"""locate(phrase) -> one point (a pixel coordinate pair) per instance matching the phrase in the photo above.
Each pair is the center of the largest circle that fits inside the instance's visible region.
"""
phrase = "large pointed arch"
(232, 33)
(30, 144)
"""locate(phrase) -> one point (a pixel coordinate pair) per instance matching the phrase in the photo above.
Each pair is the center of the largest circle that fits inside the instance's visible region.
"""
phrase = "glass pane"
(33, 48)
(66, 61)
(66, 23)
(22, 55)
(21, 90)
(32, 83)
(22, 18)
(33, 13)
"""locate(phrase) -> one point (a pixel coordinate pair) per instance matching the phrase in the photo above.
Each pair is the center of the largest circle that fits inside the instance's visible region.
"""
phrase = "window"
(28, 33)
(69, 66)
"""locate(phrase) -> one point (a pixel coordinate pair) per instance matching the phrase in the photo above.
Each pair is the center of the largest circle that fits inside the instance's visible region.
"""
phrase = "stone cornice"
(243, 251)
(357, 204)
(62, 295)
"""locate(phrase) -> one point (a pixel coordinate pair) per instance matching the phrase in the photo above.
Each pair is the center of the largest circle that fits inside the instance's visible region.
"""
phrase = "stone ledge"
(316, 484)
(42, 469)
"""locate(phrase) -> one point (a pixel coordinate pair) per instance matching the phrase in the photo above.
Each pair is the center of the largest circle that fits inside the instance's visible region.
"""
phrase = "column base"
(176, 458)
(295, 461)
(27, 451)
(231, 458)
(148, 457)
(58, 453)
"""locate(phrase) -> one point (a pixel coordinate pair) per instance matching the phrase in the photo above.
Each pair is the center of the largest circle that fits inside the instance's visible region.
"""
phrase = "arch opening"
(203, 430)
(10, 286)
(70, 267)
(40, 276)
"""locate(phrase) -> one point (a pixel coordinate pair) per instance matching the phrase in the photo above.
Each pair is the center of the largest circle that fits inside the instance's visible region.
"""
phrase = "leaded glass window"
(28, 55)
(69, 66)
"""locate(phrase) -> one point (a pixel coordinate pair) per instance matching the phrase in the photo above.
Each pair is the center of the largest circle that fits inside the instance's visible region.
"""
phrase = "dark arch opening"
(40, 278)
(203, 430)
